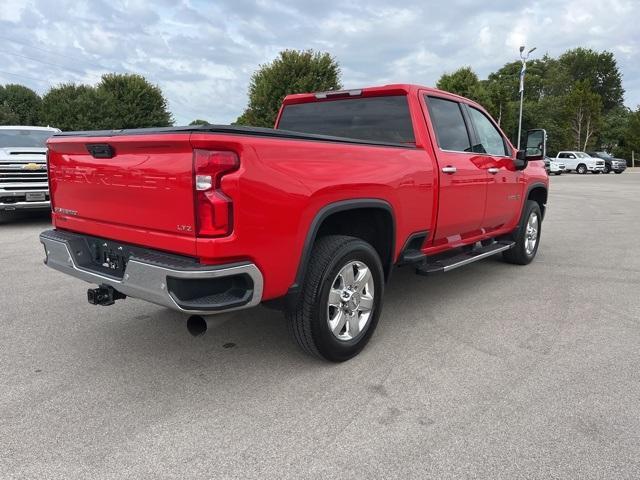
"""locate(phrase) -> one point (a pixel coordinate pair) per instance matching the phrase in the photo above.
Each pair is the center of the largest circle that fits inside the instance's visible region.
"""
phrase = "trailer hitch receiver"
(104, 295)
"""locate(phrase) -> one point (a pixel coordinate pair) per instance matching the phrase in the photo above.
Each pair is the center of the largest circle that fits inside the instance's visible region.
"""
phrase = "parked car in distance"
(580, 162)
(551, 165)
(23, 167)
(310, 217)
(611, 164)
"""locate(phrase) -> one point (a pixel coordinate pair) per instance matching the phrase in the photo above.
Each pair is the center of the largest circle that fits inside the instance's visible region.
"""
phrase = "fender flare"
(321, 216)
(529, 189)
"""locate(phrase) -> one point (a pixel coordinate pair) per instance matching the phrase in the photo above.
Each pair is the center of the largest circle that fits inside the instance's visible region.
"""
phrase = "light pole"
(523, 58)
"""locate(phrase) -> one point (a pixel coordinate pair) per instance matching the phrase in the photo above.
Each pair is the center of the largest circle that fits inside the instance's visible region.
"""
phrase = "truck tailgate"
(136, 188)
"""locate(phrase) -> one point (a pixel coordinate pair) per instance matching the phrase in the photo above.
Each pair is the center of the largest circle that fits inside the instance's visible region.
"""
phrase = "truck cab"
(580, 162)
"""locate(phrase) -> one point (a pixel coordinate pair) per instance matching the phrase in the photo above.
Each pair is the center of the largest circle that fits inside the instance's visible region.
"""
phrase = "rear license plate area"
(110, 257)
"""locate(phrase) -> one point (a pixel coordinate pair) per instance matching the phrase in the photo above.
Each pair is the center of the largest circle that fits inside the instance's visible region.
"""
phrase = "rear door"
(462, 173)
(114, 186)
(505, 187)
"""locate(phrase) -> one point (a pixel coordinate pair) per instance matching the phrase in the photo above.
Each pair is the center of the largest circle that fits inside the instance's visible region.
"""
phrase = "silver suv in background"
(23, 167)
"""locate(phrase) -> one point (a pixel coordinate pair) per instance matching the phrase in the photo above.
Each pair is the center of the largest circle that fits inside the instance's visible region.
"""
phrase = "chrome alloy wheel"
(531, 234)
(350, 301)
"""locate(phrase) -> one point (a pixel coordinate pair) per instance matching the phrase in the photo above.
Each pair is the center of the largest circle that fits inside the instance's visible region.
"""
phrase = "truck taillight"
(214, 210)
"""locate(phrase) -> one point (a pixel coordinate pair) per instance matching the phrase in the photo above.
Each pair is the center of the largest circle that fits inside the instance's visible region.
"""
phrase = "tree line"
(117, 101)
(577, 97)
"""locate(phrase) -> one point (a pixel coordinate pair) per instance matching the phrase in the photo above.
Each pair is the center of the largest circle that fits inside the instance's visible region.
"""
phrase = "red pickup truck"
(311, 216)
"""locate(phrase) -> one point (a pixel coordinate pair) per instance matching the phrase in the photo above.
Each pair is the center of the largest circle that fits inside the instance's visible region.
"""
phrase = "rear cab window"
(381, 119)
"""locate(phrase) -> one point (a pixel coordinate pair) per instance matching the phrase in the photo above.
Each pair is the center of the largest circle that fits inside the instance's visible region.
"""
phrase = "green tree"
(503, 89)
(23, 102)
(599, 70)
(463, 82)
(7, 116)
(292, 72)
(614, 126)
(199, 121)
(631, 141)
(584, 108)
(71, 107)
(130, 101)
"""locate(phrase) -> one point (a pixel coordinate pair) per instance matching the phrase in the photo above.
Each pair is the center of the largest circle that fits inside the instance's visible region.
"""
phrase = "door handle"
(449, 169)
(493, 170)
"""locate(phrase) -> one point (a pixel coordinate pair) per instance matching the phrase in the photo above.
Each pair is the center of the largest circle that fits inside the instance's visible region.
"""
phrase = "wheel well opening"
(539, 195)
(373, 225)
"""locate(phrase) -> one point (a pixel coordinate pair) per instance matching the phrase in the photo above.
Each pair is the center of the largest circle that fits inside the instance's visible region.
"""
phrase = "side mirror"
(535, 148)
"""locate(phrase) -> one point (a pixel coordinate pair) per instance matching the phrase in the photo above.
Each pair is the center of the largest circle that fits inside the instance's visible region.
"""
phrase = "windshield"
(582, 155)
(601, 155)
(23, 137)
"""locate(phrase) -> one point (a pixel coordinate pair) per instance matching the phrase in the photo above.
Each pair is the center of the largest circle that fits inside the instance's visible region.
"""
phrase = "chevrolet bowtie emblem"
(33, 166)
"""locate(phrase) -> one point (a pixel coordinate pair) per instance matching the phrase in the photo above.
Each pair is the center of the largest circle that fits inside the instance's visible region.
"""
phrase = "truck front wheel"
(527, 236)
(582, 169)
(341, 298)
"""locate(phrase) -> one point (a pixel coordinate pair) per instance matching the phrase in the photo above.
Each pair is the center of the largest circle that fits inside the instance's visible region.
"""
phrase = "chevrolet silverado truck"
(310, 217)
(611, 164)
(23, 168)
(580, 162)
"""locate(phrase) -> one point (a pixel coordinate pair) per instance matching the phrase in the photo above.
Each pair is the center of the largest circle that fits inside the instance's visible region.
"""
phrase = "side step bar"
(464, 258)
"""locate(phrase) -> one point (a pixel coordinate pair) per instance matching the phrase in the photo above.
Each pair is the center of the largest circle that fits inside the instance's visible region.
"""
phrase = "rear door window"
(447, 119)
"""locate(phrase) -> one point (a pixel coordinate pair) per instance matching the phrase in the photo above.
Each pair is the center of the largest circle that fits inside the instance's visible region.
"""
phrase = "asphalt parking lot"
(490, 371)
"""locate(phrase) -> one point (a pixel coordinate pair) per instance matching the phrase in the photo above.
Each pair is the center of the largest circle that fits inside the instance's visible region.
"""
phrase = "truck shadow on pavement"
(259, 338)
(25, 218)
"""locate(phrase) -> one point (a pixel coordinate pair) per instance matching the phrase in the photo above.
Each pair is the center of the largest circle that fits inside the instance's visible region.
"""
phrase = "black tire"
(595, 172)
(518, 254)
(581, 169)
(607, 169)
(557, 173)
(308, 319)
(618, 172)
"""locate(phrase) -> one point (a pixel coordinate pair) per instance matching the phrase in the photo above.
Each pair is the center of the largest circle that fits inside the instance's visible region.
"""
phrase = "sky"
(202, 53)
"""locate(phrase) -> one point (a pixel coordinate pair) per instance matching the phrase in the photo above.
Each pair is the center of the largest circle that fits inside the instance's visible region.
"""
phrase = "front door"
(462, 173)
(505, 185)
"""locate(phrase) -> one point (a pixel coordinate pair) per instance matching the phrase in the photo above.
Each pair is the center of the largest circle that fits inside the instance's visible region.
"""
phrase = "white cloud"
(12, 11)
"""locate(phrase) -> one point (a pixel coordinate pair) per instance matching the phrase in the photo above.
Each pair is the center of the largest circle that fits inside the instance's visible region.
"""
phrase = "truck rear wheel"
(341, 298)
(527, 236)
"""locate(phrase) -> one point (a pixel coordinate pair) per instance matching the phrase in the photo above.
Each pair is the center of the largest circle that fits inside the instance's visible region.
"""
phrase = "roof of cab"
(395, 88)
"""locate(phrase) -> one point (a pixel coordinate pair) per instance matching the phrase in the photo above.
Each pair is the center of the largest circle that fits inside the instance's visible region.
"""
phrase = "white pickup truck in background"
(23, 168)
(580, 162)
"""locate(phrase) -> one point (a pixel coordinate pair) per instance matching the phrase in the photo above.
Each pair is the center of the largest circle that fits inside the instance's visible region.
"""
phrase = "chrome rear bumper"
(172, 281)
